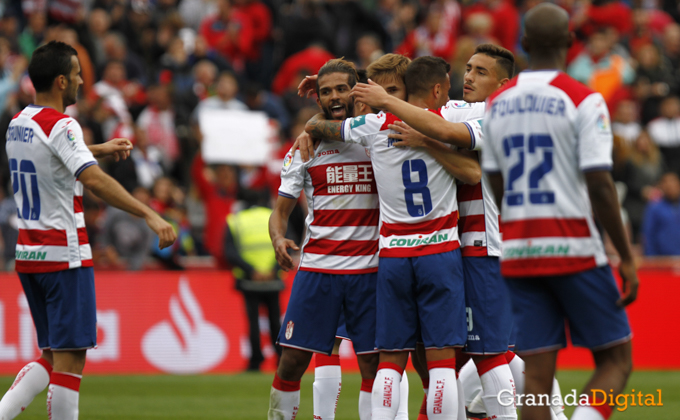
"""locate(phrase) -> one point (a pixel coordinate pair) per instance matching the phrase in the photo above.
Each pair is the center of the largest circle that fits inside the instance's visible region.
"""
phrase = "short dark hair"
(505, 60)
(362, 77)
(49, 62)
(424, 73)
(338, 65)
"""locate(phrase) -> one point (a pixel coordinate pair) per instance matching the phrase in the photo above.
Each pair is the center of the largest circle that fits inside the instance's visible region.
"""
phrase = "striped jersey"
(46, 154)
(479, 222)
(543, 130)
(342, 200)
(418, 210)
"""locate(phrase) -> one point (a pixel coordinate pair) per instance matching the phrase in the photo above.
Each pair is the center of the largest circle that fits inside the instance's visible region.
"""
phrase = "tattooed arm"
(321, 128)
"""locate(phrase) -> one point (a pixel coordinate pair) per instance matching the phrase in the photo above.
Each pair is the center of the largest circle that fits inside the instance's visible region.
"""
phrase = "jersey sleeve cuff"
(286, 195)
(342, 130)
(473, 141)
(85, 166)
(596, 168)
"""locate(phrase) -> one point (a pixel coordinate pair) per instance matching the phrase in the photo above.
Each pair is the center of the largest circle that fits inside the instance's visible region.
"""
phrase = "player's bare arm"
(106, 188)
(320, 127)
(117, 148)
(604, 200)
(420, 119)
(278, 225)
(461, 164)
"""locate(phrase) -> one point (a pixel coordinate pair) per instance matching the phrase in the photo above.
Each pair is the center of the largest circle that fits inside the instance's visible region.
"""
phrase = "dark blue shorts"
(489, 309)
(421, 296)
(341, 332)
(586, 301)
(316, 302)
(63, 307)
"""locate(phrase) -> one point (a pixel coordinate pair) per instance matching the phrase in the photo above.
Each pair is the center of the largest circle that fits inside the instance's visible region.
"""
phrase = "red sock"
(323, 360)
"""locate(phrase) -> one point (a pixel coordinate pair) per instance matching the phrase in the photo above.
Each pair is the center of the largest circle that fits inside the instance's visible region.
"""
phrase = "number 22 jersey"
(46, 154)
(542, 131)
(418, 206)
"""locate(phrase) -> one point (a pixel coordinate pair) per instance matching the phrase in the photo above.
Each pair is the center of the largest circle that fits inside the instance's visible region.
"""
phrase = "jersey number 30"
(24, 172)
(416, 187)
(537, 142)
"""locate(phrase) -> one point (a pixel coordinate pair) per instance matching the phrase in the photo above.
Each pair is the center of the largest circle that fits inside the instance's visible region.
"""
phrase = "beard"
(70, 95)
(349, 109)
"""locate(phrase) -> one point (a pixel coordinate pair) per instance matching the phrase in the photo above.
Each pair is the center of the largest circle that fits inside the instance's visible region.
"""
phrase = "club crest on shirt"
(289, 330)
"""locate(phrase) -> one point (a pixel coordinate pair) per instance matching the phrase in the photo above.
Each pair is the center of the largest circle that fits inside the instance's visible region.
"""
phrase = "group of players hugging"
(407, 253)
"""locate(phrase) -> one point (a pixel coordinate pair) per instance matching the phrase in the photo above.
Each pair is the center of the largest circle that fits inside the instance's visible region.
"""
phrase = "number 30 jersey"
(542, 131)
(46, 154)
(418, 206)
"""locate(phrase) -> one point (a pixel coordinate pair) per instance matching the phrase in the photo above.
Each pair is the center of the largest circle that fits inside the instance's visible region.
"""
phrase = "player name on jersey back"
(542, 143)
(46, 154)
(417, 196)
(343, 215)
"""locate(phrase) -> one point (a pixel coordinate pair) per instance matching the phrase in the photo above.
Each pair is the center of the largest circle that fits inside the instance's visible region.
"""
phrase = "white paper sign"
(236, 137)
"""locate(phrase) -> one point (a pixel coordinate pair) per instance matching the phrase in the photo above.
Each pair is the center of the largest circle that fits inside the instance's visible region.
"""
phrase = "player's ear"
(503, 82)
(318, 102)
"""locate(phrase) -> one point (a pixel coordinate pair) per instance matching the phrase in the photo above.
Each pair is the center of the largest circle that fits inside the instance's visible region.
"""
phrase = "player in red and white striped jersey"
(50, 164)
(549, 149)
(420, 274)
(339, 260)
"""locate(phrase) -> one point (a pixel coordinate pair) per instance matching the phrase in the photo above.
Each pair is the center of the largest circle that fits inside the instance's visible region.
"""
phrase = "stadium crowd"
(150, 66)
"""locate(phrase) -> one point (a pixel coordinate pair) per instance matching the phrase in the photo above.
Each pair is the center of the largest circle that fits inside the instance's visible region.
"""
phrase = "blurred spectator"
(604, 13)
(194, 11)
(9, 229)
(662, 219)
(98, 23)
(217, 188)
(398, 18)
(626, 121)
(430, 38)
(302, 21)
(225, 98)
(158, 121)
(505, 17)
(259, 60)
(665, 132)
(368, 50)
(109, 91)
(350, 21)
(231, 33)
(479, 28)
(11, 69)
(307, 62)
(671, 49)
(125, 239)
(654, 81)
(601, 69)
(642, 169)
(147, 159)
(176, 67)
(249, 251)
(258, 99)
(33, 33)
(87, 70)
(115, 48)
(168, 201)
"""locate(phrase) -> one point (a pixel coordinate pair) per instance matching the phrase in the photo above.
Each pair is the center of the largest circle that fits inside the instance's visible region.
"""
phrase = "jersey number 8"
(22, 173)
(417, 187)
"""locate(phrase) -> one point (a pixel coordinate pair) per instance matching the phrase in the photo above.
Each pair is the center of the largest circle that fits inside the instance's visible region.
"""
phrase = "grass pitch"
(246, 396)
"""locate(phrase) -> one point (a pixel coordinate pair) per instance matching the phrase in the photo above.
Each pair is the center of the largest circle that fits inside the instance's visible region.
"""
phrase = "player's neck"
(555, 61)
(421, 102)
(50, 100)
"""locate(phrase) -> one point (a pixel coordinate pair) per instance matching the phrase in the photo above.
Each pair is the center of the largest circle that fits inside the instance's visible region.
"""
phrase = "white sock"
(386, 390)
(402, 411)
(284, 399)
(586, 413)
(462, 415)
(472, 385)
(558, 409)
(63, 395)
(327, 386)
(496, 378)
(31, 380)
(365, 399)
(517, 367)
(442, 400)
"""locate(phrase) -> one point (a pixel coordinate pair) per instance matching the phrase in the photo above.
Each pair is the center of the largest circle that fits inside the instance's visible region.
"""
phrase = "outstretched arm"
(462, 165)
(321, 128)
(420, 119)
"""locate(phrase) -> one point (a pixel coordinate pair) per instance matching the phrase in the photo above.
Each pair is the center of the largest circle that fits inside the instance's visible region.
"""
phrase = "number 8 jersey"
(543, 130)
(46, 154)
(418, 206)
